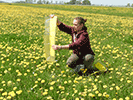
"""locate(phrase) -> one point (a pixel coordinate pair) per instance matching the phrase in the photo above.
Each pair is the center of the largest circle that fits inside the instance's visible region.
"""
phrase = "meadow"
(25, 74)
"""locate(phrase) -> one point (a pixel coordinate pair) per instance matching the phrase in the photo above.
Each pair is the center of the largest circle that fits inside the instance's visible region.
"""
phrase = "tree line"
(85, 2)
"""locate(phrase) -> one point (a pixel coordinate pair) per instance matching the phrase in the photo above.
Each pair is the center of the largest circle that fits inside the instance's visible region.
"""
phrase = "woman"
(82, 52)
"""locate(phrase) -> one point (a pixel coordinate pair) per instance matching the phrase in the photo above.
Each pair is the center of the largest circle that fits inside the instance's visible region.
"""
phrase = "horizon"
(98, 3)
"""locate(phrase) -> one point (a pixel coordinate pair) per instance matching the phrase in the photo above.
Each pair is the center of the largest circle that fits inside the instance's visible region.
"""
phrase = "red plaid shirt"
(80, 42)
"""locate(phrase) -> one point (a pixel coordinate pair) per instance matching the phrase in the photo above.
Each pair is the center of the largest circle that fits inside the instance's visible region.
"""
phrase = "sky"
(97, 2)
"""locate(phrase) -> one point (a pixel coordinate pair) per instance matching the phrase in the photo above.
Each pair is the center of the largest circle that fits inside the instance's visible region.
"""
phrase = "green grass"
(22, 54)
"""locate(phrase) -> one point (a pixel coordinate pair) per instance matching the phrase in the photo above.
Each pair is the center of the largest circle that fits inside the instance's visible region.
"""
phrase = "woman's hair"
(81, 20)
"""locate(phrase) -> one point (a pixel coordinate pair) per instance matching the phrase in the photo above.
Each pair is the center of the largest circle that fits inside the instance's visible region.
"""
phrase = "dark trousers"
(74, 60)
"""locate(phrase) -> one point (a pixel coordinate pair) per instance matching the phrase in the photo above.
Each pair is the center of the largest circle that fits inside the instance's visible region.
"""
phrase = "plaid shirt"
(80, 42)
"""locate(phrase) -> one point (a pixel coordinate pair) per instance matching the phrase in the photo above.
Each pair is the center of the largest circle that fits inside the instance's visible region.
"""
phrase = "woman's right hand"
(52, 15)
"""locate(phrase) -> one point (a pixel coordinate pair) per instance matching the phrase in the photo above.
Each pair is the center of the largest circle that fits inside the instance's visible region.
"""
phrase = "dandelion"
(9, 69)
(106, 95)
(36, 81)
(127, 98)
(129, 81)
(18, 80)
(53, 76)
(39, 79)
(104, 86)
(111, 88)
(62, 71)
(28, 70)
(3, 82)
(77, 99)
(9, 97)
(42, 81)
(49, 97)
(75, 91)
(65, 82)
(131, 94)
(121, 99)
(52, 83)
(113, 84)
(117, 88)
(12, 93)
(35, 74)
(14, 88)
(1, 90)
(19, 92)
(51, 88)
(99, 94)
(96, 92)
(5, 71)
(4, 94)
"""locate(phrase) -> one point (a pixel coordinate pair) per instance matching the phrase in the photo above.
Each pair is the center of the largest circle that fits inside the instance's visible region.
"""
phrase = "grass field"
(25, 74)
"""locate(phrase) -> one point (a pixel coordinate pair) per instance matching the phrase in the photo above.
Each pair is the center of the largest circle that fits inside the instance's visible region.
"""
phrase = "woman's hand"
(51, 16)
(55, 47)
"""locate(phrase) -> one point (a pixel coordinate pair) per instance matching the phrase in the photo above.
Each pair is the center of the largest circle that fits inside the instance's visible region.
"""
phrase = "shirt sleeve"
(65, 28)
(79, 43)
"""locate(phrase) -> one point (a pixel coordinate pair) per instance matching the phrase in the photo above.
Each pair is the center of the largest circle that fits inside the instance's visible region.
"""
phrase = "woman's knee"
(89, 57)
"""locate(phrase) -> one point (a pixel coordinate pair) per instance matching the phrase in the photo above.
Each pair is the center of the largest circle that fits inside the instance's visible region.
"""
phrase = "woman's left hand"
(55, 47)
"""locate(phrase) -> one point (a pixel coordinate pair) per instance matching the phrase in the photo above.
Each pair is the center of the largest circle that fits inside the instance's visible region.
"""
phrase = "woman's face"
(76, 25)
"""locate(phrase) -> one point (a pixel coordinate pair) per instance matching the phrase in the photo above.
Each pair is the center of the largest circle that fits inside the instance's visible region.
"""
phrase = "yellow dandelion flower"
(3, 62)
(131, 73)
(69, 81)
(49, 97)
(57, 64)
(19, 92)
(14, 88)
(111, 88)
(64, 99)
(35, 74)
(28, 70)
(117, 88)
(99, 94)
(1, 90)
(131, 94)
(25, 74)
(18, 80)
(39, 79)
(75, 91)
(51, 88)
(107, 96)
(36, 81)
(19, 74)
(42, 81)
(127, 98)
(62, 71)
(77, 99)
(53, 76)
(129, 81)
(96, 92)
(65, 82)
(52, 83)
(4, 94)
(5, 71)
(9, 97)
(104, 86)
(121, 99)
(12, 94)
(76, 81)
(9, 69)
